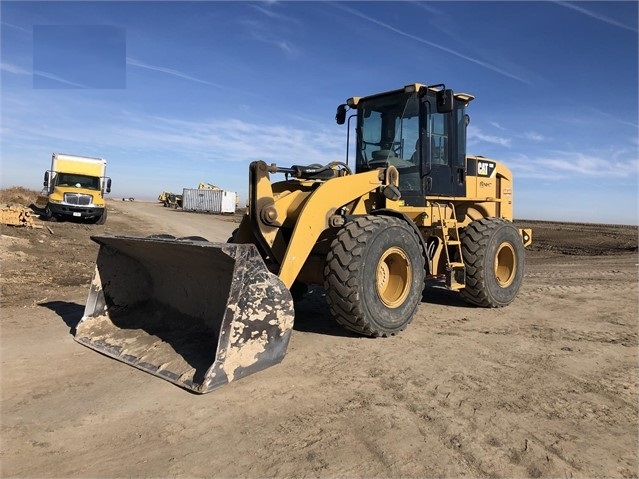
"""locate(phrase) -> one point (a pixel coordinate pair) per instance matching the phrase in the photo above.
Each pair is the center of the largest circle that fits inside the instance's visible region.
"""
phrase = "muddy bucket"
(195, 313)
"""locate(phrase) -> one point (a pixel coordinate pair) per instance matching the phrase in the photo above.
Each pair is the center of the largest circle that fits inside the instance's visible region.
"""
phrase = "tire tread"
(342, 279)
(475, 239)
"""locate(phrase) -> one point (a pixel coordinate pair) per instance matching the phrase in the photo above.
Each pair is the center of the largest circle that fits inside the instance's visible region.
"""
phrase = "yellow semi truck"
(75, 188)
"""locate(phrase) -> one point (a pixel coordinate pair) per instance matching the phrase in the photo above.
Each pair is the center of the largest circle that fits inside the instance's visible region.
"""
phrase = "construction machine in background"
(207, 186)
(170, 200)
(162, 196)
(173, 201)
(414, 205)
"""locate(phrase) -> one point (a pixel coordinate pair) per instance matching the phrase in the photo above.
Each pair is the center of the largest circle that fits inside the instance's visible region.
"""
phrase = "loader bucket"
(195, 313)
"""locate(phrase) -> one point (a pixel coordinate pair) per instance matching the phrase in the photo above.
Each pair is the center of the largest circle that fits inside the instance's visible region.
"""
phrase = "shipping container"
(208, 201)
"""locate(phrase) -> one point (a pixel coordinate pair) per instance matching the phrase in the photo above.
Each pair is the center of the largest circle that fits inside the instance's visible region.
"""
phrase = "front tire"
(493, 252)
(49, 215)
(102, 218)
(374, 275)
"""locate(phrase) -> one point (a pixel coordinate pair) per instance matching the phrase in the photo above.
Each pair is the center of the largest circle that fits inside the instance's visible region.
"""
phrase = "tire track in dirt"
(453, 410)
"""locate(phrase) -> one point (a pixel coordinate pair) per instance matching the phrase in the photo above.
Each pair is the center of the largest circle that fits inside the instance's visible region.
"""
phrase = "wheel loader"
(414, 205)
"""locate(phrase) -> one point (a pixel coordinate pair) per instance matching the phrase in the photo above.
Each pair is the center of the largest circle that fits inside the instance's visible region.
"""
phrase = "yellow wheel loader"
(415, 205)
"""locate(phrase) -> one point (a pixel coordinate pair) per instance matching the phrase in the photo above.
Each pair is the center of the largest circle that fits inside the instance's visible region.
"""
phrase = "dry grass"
(18, 195)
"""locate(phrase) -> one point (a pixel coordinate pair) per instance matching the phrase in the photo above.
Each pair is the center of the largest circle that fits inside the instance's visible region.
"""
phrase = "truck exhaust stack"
(195, 313)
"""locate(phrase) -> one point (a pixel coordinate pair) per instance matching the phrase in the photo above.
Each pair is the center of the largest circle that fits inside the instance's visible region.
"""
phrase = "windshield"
(389, 131)
(77, 181)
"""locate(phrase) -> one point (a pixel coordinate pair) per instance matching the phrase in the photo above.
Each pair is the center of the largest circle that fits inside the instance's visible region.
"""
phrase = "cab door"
(444, 171)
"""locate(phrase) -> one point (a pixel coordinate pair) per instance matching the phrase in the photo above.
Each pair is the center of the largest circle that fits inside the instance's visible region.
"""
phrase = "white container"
(208, 201)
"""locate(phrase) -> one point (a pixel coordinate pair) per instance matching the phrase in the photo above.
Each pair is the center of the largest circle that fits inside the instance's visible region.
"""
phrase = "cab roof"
(411, 87)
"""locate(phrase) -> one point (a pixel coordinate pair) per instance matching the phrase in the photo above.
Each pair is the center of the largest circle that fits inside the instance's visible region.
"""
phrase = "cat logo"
(485, 168)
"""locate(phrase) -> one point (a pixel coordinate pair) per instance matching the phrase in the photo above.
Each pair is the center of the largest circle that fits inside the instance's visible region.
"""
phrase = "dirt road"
(547, 387)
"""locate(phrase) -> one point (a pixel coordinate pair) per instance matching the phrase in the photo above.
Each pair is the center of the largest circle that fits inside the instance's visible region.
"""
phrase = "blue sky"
(175, 93)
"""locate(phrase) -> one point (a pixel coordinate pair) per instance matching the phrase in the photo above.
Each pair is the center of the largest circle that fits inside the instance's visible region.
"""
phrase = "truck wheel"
(102, 218)
(374, 275)
(494, 256)
(49, 216)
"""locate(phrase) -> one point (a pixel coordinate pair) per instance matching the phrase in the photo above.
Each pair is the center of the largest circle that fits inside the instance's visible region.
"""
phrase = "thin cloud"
(531, 135)
(475, 135)
(201, 142)
(168, 71)
(497, 125)
(570, 164)
(286, 47)
(427, 7)
(56, 78)
(236, 140)
(17, 27)
(588, 165)
(9, 68)
(587, 116)
(267, 38)
(274, 15)
(431, 44)
(596, 16)
(261, 32)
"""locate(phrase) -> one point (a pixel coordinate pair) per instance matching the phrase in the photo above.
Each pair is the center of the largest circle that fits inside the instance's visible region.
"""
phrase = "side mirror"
(445, 100)
(108, 189)
(340, 116)
(46, 179)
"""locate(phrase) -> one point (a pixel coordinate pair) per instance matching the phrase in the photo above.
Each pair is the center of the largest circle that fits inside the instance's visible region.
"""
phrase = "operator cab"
(421, 130)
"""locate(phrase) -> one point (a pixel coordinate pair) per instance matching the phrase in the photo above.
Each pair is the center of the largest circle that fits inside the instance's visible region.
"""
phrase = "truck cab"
(75, 187)
(422, 132)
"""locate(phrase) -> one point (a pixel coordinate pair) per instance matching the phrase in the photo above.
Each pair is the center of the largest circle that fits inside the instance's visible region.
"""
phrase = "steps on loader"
(450, 237)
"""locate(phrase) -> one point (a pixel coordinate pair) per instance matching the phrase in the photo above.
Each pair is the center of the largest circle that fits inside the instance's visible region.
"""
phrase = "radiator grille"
(78, 199)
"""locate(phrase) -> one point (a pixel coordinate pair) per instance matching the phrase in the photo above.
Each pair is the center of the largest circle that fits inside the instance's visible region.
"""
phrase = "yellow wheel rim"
(394, 273)
(505, 265)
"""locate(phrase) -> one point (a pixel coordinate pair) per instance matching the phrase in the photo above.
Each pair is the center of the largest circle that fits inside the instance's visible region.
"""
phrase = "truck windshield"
(77, 181)
(388, 131)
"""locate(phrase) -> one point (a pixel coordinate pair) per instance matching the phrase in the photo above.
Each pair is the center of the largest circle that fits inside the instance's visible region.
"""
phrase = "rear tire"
(494, 256)
(374, 275)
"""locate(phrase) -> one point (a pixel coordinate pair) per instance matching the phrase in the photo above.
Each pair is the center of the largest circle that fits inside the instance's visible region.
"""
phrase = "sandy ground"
(547, 387)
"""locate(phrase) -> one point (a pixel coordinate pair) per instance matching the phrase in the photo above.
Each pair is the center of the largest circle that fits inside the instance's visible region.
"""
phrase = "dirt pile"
(582, 238)
(36, 262)
(18, 195)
